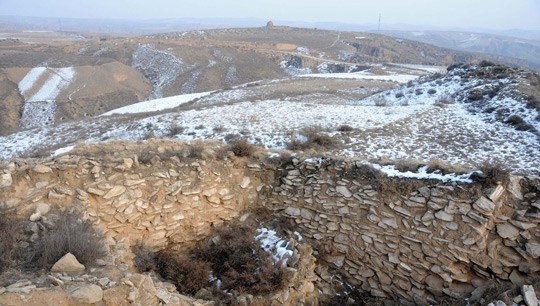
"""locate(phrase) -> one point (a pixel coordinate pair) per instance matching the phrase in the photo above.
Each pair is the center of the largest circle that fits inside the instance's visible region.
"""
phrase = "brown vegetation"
(241, 148)
(9, 230)
(316, 139)
(68, 233)
(231, 256)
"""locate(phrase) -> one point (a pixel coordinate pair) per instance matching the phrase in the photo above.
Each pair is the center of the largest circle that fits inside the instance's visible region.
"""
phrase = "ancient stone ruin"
(411, 240)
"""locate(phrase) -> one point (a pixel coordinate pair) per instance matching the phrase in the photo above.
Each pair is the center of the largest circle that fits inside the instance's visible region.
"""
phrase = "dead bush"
(196, 149)
(9, 231)
(240, 263)
(314, 138)
(145, 259)
(492, 174)
(187, 273)
(380, 101)
(519, 123)
(345, 128)
(241, 148)
(444, 101)
(175, 129)
(68, 233)
(231, 261)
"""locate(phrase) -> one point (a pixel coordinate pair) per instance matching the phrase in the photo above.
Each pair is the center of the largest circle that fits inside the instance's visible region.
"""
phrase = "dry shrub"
(175, 129)
(69, 233)
(492, 174)
(145, 156)
(232, 256)
(444, 101)
(9, 231)
(187, 273)
(519, 123)
(380, 101)
(240, 263)
(196, 149)
(345, 128)
(144, 259)
(315, 139)
(241, 148)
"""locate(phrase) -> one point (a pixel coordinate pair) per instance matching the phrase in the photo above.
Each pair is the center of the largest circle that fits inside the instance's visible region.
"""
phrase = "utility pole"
(379, 29)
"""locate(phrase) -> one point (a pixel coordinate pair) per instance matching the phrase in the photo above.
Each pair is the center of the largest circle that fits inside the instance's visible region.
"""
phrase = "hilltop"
(106, 71)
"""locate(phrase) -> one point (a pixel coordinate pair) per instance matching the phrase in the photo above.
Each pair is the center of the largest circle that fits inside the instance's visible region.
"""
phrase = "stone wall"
(160, 202)
(408, 239)
(413, 240)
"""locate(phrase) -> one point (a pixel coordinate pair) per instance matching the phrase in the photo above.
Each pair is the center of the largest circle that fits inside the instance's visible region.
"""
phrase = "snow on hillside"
(30, 79)
(490, 97)
(363, 75)
(39, 109)
(426, 119)
(157, 104)
(160, 67)
(59, 79)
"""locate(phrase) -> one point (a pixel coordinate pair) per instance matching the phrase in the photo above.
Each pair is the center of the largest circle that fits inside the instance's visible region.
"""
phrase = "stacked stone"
(176, 201)
(439, 240)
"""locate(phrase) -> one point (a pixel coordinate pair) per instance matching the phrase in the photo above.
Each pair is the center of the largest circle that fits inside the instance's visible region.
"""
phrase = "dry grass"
(240, 263)
(241, 148)
(315, 139)
(175, 129)
(232, 256)
(9, 231)
(187, 273)
(196, 149)
(492, 174)
(68, 234)
(345, 128)
(519, 123)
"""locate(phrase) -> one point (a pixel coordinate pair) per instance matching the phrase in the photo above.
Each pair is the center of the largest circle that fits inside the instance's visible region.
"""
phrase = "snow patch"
(362, 75)
(63, 150)
(423, 174)
(273, 244)
(59, 80)
(157, 104)
(30, 79)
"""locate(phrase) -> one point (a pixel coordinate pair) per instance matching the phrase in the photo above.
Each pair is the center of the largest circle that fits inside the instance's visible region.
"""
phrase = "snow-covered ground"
(40, 105)
(363, 75)
(159, 66)
(273, 244)
(157, 104)
(30, 79)
(412, 123)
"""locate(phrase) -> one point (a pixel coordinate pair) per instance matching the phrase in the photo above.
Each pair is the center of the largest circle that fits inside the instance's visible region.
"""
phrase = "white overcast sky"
(488, 14)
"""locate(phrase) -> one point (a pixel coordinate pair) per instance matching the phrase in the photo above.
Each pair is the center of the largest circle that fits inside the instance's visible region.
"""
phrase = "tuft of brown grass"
(196, 149)
(316, 139)
(9, 231)
(345, 128)
(240, 262)
(241, 148)
(175, 129)
(232, 256)
(187, 273)
(69, 233)
(492, 174)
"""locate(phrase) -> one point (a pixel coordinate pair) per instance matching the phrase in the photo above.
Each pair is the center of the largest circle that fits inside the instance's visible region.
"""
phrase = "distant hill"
(519, 48)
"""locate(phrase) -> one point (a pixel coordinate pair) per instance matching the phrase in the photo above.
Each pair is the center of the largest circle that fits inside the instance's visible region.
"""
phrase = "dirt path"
(335, 41)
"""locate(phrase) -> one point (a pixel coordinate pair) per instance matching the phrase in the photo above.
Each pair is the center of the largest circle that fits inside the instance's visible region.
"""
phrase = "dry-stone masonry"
(405, 239)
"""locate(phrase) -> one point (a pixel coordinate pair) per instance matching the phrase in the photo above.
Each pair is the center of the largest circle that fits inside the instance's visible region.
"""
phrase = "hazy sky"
(489, 14)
